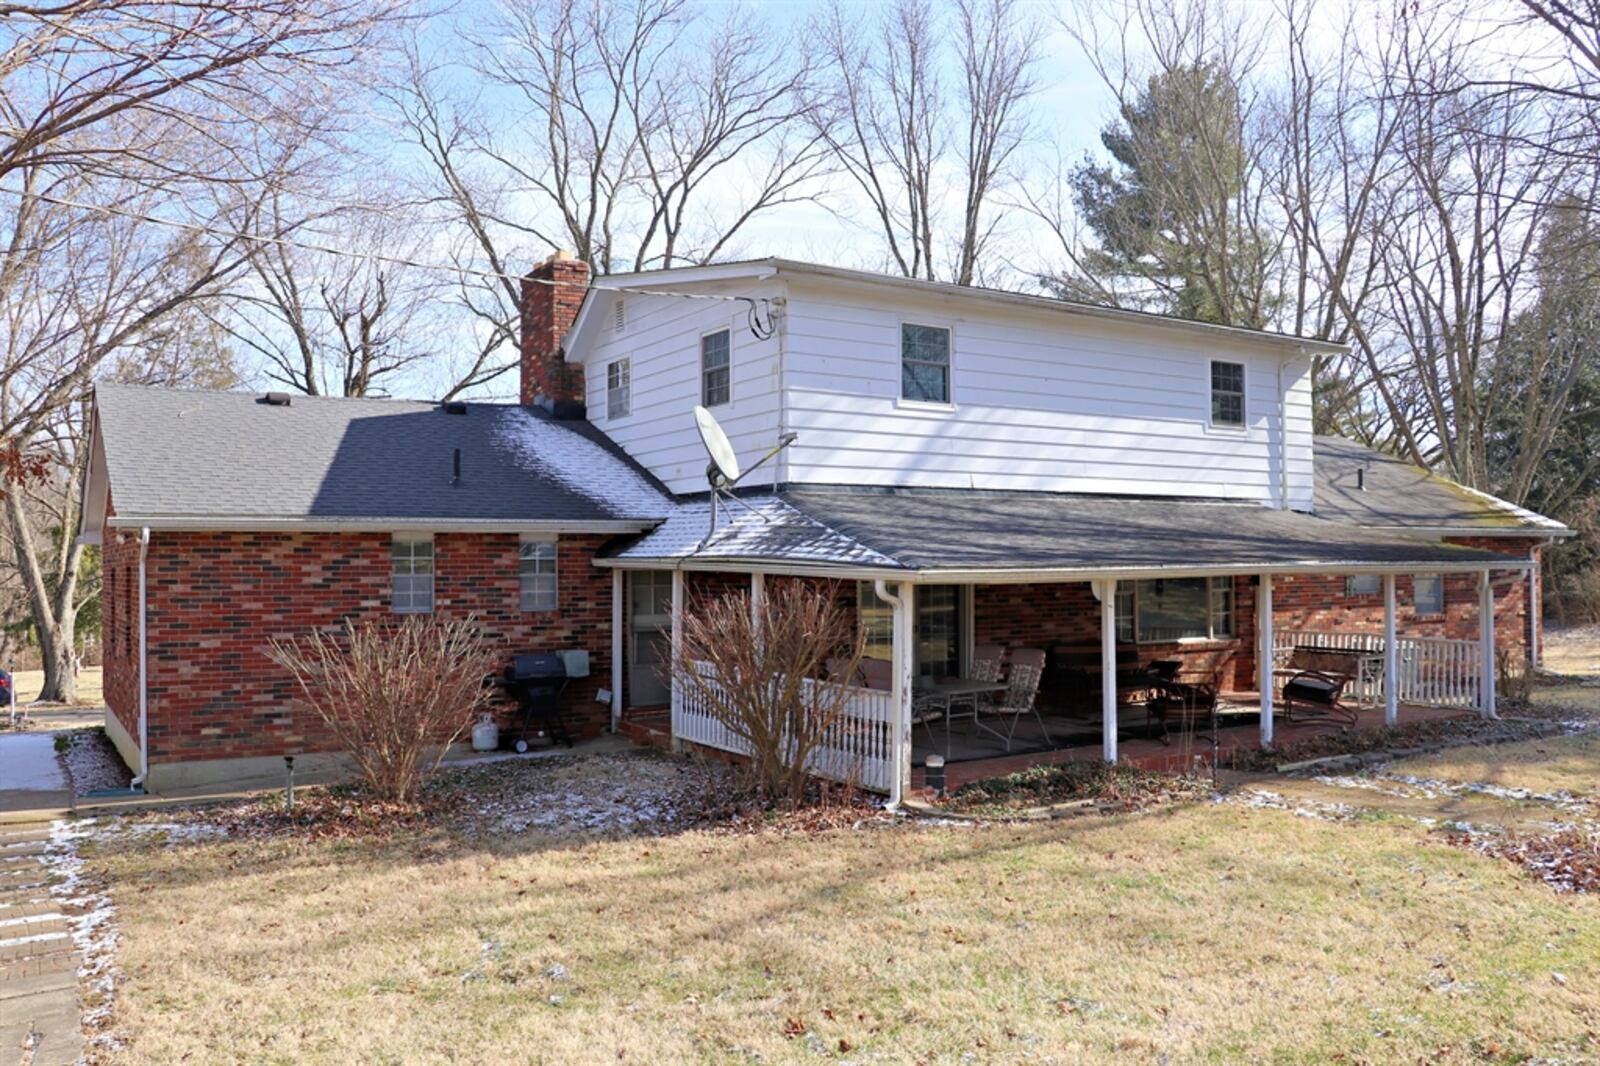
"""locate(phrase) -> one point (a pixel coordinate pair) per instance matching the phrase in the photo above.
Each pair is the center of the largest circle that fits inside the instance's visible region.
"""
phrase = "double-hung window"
(536, 571)
(619, 389)
(1427, 594)
(715, 372)
(1166, 610)
(411, 559)
(924, 363)
(1227, 393)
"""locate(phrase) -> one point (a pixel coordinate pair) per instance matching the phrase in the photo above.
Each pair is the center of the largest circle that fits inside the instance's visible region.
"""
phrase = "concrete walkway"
(39, 1021)
(33, 786)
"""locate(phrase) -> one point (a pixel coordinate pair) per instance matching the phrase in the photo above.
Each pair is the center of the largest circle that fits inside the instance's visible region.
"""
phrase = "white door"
(649, 637)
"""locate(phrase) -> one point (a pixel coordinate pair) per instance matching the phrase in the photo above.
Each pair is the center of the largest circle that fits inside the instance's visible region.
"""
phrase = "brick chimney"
(548, 311)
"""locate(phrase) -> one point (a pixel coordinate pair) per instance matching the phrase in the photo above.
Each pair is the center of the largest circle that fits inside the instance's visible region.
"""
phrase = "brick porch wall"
(216, 599)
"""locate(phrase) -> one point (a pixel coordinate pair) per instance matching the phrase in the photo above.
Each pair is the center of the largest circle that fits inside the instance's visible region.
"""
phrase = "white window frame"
(528, 593)
(1128, 611)
(411, 604)
(901, 399)
(704, 371)
(619, 397)
(1244, 393)
(1416, 601)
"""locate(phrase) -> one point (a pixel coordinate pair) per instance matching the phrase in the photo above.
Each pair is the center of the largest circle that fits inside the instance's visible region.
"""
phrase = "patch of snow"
(90, 913)
(92, 762)
(583, 466)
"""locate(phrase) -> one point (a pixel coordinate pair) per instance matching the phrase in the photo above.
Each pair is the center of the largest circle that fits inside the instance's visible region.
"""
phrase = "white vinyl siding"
(411, 564)
(1043, 402)
(536, 573)
(619, 389)
(663, 344)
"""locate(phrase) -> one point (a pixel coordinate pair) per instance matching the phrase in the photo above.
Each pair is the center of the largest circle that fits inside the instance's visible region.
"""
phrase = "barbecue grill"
(535, 681)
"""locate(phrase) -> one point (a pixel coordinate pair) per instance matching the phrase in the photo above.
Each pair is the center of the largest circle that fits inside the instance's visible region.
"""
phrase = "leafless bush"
(394, 695)
(756, 673)
(1515, 680)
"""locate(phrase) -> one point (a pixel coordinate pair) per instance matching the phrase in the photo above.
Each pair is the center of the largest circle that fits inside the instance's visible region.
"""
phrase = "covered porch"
(1184, 590)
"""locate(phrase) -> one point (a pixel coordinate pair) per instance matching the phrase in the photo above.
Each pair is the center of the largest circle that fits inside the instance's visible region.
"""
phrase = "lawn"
(1212, 932)
(1555, 764)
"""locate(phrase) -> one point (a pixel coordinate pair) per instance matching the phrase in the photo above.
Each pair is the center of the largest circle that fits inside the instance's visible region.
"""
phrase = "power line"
(372, 257)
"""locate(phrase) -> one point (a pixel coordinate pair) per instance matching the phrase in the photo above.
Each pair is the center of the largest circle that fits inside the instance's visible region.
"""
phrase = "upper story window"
(619, 389)
(924, 363)
(1427, 594)
(411, 559)
(715, 373)
(536, 571)
(1227, 393)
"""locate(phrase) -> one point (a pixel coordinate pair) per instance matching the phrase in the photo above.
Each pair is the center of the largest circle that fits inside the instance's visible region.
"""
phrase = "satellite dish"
(724, 464)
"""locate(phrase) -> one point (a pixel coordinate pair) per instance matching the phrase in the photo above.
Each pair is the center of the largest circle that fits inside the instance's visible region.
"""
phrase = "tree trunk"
(55, 618)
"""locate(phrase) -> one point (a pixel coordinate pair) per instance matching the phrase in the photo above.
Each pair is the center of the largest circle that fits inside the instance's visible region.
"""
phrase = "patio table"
(946, 693)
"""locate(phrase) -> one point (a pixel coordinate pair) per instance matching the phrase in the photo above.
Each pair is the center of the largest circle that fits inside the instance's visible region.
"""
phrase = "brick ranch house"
(966, 467)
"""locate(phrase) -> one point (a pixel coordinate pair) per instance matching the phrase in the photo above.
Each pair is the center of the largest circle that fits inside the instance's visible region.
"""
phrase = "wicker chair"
(1021, 696)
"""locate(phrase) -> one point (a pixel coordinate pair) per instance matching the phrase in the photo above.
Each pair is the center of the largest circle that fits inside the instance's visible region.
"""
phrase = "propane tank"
(485, 735)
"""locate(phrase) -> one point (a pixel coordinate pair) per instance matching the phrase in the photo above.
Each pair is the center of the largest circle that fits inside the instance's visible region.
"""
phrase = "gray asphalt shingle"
(183, 453)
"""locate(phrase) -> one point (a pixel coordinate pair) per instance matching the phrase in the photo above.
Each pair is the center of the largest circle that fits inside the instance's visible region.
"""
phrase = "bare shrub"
(758, 673)
(1515, 680)
(395, 695)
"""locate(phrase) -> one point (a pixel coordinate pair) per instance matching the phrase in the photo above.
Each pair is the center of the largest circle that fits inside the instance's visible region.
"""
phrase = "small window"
(1221, 607)
(619, 389)
(412, 560)
(715, 374)
(924, 363)
(1427, 594)
(876, 619)
(536, 570)
(1363, 585)
(1125, 612)
(1227, 394)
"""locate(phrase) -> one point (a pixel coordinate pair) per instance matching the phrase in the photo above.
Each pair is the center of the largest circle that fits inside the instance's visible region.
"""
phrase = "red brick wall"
(119, 626)
(548, 311)
(216, 599)
(1042, 616)
(1318, 602)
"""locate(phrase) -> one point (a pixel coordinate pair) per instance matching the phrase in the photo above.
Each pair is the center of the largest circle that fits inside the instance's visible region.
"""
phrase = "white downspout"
(144, 660)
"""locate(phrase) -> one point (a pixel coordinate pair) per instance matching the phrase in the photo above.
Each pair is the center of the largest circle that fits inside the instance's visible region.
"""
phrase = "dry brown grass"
(1208, 933)
(90, 694)
(1553, 764)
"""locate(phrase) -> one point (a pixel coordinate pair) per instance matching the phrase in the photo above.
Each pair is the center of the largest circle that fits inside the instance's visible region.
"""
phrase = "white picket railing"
(856, 748)
(1434, 671)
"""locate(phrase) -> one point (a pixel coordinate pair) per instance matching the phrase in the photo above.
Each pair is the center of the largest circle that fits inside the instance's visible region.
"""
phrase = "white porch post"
(1106, 593)
(904, 603)
(758, 592)
(618, 648)
(1486, 680)
(677, 645)
(1391, 656)
(1264, 656)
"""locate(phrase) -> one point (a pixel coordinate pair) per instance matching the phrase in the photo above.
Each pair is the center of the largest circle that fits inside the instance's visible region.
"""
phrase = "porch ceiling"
(942, 533)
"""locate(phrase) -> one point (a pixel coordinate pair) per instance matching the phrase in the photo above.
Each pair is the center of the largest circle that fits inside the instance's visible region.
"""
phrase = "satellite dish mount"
(722, 472)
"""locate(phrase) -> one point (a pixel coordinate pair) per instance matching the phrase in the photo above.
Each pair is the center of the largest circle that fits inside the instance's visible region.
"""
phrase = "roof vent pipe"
(276, 399)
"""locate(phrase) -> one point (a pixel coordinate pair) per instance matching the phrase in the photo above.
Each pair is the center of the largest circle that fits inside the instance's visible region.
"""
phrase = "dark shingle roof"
(1401, 496)
(191, 454)
(957, 531)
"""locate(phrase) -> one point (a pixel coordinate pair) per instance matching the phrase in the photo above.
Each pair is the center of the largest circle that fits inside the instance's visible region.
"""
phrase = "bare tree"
(890, 113)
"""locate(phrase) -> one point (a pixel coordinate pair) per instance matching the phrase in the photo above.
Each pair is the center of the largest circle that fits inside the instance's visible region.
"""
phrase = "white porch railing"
(857, 748)
(1434, 671)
